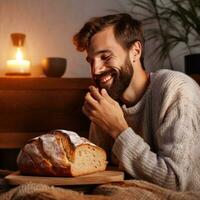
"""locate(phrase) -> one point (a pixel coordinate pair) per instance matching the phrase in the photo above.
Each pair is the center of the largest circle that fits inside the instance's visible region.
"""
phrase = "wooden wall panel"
(42, 104)
(41, 110)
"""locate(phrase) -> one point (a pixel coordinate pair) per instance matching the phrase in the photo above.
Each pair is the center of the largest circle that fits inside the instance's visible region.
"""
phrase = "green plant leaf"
(169, 24)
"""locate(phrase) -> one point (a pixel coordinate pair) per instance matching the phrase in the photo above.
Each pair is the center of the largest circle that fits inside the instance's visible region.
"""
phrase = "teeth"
(105, 79)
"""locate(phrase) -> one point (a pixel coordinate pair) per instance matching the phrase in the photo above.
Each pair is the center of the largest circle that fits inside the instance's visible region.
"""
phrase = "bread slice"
(61, 153)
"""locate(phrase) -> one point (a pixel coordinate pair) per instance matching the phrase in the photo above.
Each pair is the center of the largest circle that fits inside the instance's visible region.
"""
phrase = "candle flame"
(19, 55)
(18, 65)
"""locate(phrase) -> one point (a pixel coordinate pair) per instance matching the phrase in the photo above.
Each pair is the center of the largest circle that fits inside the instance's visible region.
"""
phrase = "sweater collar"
(140, 104)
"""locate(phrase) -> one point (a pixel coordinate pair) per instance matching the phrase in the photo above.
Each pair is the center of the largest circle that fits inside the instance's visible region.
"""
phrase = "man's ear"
(135, 51)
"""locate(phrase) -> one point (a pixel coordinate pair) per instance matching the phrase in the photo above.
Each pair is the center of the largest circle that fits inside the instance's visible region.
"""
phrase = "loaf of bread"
(61, 153)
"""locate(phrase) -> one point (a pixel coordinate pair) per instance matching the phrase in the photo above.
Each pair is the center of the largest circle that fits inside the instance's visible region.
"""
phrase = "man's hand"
(104, 111)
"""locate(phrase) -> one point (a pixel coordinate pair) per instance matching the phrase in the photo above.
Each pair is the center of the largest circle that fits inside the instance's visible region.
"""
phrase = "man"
(150, 123)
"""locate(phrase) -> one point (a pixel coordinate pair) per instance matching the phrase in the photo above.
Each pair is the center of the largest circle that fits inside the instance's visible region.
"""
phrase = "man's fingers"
(95, 93)
(105, 94)
(88, 110)
(90, 104)
(90, 99)
(85, 110)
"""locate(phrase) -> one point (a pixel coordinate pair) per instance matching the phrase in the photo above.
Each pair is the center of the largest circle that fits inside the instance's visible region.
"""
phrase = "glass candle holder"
(18, 64)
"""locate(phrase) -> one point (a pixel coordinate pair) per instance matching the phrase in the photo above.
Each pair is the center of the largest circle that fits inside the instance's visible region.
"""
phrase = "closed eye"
(105, 57)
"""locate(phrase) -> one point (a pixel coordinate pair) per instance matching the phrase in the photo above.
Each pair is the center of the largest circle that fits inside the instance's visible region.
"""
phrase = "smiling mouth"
(106, 80)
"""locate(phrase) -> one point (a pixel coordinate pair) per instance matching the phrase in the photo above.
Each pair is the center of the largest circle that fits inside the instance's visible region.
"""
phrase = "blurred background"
(49, 26)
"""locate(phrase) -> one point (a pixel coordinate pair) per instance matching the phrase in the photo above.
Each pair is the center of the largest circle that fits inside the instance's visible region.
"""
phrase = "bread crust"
(58, 153)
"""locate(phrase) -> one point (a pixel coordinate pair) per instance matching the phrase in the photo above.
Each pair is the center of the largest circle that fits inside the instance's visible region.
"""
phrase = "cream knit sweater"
(162, 143)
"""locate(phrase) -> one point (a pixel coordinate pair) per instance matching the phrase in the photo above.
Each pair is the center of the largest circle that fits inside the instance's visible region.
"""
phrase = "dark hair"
(127, 31)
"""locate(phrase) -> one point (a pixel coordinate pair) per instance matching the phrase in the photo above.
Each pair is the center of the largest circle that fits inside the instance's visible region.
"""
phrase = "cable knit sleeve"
(175, 163)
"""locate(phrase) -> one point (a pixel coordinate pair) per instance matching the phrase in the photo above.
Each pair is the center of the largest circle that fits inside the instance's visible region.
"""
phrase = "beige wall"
(49, 26)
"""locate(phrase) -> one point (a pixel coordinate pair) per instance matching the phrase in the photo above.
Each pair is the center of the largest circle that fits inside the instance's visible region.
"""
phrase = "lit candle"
(18, 65)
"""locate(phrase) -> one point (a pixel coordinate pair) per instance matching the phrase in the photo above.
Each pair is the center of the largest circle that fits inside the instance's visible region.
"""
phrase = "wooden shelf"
(37, 83)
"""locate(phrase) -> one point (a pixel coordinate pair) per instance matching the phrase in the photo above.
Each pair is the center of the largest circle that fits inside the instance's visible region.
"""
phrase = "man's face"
(110, 65)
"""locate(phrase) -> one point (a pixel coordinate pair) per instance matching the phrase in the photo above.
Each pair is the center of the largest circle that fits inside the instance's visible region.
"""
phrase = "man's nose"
(97, 67)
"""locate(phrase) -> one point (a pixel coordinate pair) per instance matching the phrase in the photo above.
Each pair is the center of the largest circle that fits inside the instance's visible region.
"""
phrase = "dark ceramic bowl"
(54, 66)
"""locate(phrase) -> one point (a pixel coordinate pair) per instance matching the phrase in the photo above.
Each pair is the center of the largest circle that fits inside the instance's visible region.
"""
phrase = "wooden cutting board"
(95, 178)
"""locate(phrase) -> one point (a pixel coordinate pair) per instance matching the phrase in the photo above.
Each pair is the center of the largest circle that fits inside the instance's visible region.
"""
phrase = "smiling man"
(149, 123)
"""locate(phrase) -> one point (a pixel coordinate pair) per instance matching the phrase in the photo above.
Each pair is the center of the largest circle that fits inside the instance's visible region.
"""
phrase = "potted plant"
(171, 24)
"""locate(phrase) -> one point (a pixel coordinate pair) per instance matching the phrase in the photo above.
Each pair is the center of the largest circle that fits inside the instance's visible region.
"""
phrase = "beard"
(121, 79)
